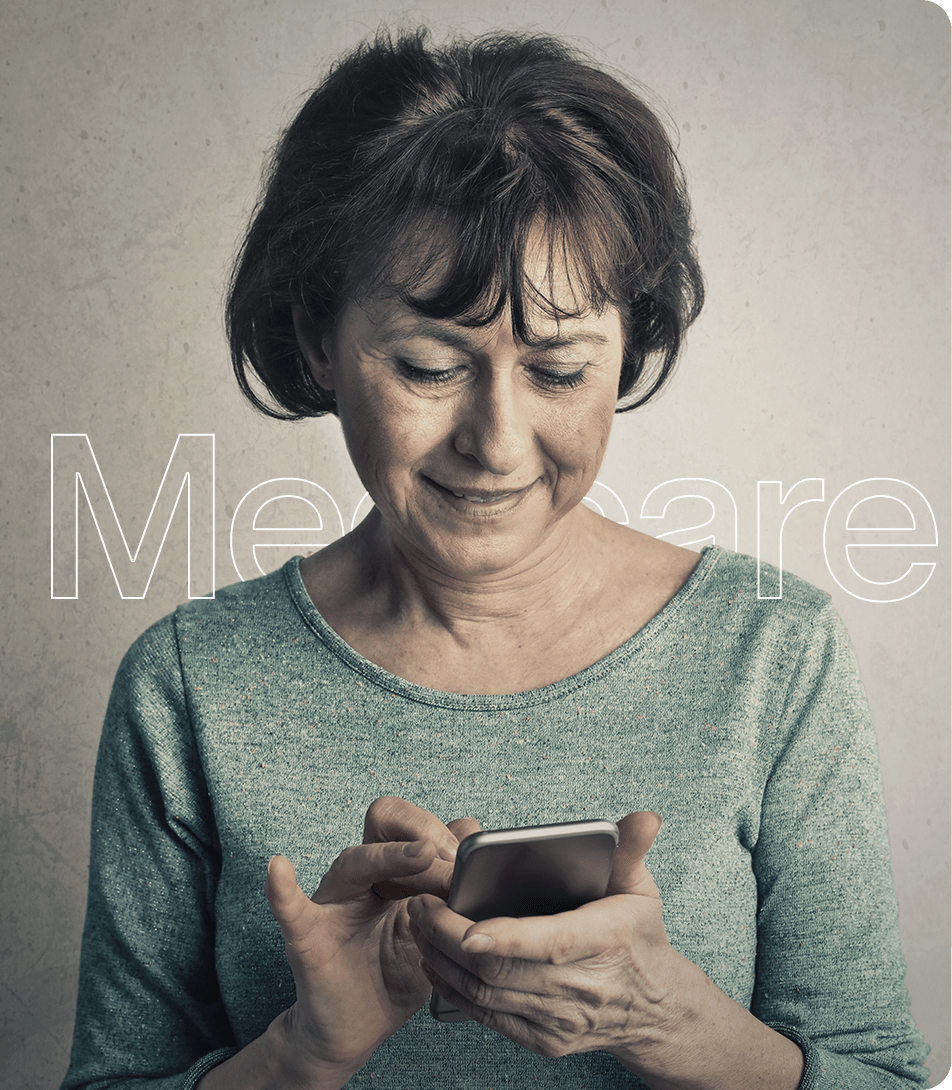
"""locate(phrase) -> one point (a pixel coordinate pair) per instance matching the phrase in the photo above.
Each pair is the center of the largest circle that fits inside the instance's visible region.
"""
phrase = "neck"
(554, 576)
(580, 594)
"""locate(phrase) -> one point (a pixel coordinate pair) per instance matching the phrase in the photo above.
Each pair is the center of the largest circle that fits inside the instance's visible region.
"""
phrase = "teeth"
(482, 499)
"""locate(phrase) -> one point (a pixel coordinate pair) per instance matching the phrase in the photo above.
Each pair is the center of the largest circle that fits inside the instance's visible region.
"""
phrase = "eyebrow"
(456, 337)
(588, 336)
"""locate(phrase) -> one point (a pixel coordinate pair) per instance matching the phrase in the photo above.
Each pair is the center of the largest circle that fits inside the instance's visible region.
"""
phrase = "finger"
(449, 993)
(487, 985)
(464, 827)
(289, 903)
(390, 818)
(507, 951)
(495, 1019)
(435, 879)
(526, 1030)
(636, 834)
(498, 991)
(441, 925)
(438, 878)
(438, 933)
(354, 872)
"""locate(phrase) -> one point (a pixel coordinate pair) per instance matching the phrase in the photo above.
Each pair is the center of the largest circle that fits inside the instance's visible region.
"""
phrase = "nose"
(494, 428)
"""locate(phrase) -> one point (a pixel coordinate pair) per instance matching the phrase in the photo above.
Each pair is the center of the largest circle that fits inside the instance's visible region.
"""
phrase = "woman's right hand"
(356, 967)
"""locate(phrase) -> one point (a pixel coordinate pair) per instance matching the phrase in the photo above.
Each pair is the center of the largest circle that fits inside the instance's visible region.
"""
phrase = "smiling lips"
(481, 495)
(491, 498)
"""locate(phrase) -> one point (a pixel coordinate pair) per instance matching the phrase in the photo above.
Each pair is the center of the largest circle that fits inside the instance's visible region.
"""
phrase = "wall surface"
(815, 138)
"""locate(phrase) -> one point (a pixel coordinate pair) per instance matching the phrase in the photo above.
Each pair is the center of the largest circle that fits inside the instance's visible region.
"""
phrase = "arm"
(150, 1011)
(830, 970)
(148, 952)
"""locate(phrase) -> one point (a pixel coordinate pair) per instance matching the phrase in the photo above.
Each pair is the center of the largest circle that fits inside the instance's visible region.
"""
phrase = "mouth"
(487, 497)
(482, 496)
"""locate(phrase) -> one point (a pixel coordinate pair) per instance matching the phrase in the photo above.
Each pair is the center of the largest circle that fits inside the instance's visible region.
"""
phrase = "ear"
(313, 346)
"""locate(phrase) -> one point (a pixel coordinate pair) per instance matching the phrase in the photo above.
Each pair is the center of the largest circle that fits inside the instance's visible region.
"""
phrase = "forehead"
(392, 321)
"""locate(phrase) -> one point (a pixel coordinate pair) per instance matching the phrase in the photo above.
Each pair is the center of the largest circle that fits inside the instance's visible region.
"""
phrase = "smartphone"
(534, 871)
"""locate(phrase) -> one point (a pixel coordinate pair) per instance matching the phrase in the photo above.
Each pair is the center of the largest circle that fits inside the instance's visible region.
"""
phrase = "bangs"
(486, 206)
(470, 269)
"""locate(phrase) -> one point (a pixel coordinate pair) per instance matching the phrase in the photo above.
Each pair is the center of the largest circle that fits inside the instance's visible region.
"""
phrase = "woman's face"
(473, 445)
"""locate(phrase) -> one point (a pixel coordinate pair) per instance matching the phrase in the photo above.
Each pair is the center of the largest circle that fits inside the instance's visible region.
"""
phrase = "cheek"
(383, 433)
(580, 438)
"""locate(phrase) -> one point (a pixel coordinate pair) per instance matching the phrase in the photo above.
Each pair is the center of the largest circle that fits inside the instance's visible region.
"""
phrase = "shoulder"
(794, 622)
(746, 584)
(257, 608)
(180, 667)
(796, 641)
(241, 604)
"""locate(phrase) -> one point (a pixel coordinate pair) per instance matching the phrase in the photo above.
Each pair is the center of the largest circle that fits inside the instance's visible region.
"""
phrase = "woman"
(471, 255)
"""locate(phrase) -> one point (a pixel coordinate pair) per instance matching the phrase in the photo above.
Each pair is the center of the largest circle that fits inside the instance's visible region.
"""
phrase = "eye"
(426, 376)
(558, 380)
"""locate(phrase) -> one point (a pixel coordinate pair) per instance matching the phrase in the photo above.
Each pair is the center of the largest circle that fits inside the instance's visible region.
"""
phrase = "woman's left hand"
(604, 977)
(597, 977)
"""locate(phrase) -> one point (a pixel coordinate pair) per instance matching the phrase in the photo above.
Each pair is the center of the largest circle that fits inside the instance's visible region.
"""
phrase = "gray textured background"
(815, 137)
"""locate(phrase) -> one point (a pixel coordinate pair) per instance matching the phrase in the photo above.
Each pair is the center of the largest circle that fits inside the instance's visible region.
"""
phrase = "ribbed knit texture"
(243, 726)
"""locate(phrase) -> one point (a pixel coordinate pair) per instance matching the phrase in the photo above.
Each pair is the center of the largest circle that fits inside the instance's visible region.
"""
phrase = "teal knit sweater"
(243, 726)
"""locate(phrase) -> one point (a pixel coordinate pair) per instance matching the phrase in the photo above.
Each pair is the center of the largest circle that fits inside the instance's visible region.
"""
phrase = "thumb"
(636, 834)
(289, 903)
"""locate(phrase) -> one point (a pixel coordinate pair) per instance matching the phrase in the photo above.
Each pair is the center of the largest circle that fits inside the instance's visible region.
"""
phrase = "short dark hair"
(409, 154)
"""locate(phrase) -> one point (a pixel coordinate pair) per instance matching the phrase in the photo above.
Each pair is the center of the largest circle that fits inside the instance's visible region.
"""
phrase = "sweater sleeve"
(830, 972)
(149, 1012)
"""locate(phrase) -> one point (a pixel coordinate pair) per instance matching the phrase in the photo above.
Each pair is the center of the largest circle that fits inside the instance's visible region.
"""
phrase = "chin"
(481, 556)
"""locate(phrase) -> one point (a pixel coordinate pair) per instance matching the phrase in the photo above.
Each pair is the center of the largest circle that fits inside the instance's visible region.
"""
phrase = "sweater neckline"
(352, 658)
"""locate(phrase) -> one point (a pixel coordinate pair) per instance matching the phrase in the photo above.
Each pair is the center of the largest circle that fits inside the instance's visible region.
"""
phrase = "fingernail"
(270, 861)
(477, 944)
(413, 908)
(448, 849)
(414, 848)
